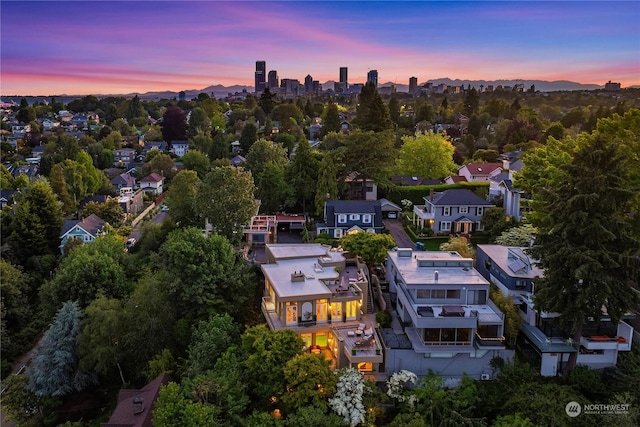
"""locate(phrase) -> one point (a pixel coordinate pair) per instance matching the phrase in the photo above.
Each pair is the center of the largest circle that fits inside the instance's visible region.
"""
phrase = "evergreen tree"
(248, 137)
(327, 184)
(331, 121)
(54, 370)
(37, 223)
(267, 101)
(364, 100)
(585, 244)
(59, 186)
(302, 174)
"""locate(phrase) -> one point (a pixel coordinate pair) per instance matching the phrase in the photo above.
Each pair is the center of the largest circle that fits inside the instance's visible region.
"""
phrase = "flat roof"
(283, 251)
(414, 274)
(500, 255)
(279, 276)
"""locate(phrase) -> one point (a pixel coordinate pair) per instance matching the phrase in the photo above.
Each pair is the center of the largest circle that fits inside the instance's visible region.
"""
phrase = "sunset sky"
(102, 47)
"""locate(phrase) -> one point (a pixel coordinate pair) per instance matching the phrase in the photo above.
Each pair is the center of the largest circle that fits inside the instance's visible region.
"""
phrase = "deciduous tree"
(310, 381)
(371, 247)
(182, 198)
(427, 155)
(174, 124)
(226, 201)
(204, 274)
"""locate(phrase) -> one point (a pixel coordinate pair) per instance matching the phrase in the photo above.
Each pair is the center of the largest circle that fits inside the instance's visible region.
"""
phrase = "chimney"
(138, 405)
(436, 275)
(297, 276)
(431, 195)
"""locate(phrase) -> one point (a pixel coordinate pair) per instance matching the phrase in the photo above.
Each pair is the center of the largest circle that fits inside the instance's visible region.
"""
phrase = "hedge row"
(417, 192)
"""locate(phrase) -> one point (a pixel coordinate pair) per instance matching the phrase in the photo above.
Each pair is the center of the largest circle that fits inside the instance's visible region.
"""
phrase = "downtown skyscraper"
(260, 76)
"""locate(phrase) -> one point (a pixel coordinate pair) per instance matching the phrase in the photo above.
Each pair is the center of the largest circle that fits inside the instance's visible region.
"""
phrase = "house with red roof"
(477, 172)
(152, 184)
(135, 407)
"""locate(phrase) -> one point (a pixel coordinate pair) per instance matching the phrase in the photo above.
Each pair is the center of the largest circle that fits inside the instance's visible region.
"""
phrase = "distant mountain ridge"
(220, 91)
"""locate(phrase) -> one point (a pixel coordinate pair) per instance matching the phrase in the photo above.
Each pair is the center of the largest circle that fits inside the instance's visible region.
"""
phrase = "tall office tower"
(372, 76)
(308, 84)
(343, 77)
(261, 68)
(413, 85)
(273, 82)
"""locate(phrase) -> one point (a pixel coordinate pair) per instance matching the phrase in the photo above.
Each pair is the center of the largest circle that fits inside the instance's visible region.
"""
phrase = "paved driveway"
(397, 232)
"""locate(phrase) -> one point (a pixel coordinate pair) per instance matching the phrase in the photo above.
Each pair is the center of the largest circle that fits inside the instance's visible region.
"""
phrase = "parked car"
(131, 242)
(392, 215)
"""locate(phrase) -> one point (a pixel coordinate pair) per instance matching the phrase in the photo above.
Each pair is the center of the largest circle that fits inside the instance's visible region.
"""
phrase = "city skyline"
(55, 48)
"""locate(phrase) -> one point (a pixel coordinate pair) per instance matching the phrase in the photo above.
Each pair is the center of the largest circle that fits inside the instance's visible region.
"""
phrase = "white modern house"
(452, 326)
(515, 273)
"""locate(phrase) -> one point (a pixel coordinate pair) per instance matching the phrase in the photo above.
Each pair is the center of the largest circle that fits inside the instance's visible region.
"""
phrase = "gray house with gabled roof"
(343, 217)
(452, 211)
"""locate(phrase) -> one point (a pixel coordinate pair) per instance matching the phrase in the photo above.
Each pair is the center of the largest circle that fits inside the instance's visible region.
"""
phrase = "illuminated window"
(321, 339)
(307, 339)
(351, 309)
(292, 313)
(336, 310)
(365, 367)
(321, 310)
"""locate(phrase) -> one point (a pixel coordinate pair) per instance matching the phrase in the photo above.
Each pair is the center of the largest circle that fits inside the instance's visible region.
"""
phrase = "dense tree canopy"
(588, 250)
(428, 155)
(226, 201)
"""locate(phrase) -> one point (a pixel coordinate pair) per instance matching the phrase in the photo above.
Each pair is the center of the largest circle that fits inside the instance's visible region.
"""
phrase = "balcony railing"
(489, 341)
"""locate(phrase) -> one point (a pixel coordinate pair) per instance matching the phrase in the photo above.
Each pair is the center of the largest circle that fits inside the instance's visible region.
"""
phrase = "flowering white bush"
(406, 204)
(396, 385)
(347, 401)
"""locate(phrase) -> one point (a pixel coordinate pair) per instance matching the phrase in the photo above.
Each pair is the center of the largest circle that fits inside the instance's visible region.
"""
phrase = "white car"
(131, 242)
(392, 215)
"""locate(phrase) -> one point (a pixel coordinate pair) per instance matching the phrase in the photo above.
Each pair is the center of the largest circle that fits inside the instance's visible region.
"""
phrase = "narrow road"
(397, 232)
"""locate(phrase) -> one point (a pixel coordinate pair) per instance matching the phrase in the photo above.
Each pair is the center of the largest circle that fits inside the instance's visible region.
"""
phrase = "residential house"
(29, 170)
(154, 145)
(265, 228)
(123, 181)
(359, 190)
(342, 217)
(152, 184)
(179, 148)
(323, 295)
(85, 230)
(50, 124)
(37, 151)
(135, 407)
(79, 121)
(123, 157)
(132, 202)
(515, 273)
(20, 130)
(452, 211)
(237, 160)
(455, 179)
(502, 191)
(345, 126)
(451, 327)
(6, 198)
(477, 172)
(65, 116)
